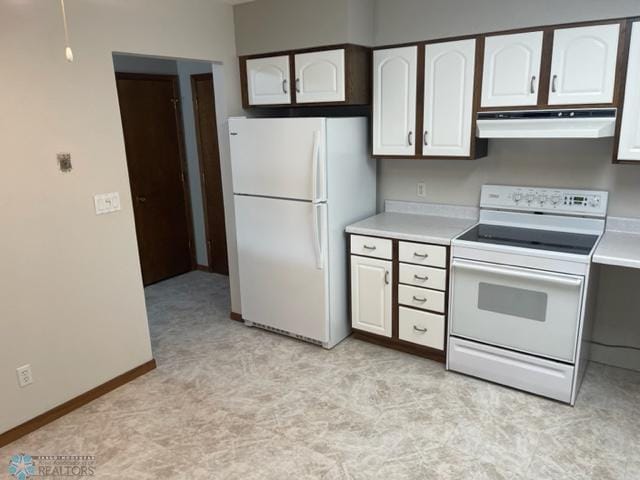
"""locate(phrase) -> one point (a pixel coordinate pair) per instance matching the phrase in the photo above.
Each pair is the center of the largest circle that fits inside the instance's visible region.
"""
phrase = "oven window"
(516, 302)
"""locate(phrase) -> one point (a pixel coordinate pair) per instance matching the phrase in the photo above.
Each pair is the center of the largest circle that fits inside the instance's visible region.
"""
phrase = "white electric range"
(521, 279)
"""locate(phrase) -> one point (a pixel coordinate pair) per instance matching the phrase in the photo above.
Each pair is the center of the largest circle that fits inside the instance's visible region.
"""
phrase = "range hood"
(576, 123)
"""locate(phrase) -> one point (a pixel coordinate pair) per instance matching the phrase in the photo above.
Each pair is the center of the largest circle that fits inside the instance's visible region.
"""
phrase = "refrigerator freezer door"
(279, 157)
(282, 251)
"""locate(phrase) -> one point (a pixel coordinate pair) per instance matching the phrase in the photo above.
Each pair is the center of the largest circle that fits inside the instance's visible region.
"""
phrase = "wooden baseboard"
(236, 316)
(406, 347)
(82, 399)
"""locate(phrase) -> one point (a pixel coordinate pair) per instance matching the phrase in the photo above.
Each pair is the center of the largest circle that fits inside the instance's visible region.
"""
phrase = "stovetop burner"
(549, 240)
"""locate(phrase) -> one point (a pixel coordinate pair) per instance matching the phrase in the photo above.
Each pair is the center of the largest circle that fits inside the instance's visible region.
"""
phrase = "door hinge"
(175, 102)
(182, 176)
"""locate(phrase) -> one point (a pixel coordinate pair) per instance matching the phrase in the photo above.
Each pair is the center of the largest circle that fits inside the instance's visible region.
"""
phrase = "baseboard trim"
(73, 404)
(236, 316)
(203, 268)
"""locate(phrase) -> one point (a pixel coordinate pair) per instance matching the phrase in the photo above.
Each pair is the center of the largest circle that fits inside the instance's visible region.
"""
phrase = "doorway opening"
(168, 115)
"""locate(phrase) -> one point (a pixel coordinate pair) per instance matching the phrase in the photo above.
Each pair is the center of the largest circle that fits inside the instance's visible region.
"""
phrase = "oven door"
(522, 309)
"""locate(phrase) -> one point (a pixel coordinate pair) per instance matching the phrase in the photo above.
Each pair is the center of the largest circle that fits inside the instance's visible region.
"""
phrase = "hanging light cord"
(67, 50)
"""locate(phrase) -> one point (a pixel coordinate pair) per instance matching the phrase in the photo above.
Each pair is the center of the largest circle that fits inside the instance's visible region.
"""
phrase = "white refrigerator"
(297, 183)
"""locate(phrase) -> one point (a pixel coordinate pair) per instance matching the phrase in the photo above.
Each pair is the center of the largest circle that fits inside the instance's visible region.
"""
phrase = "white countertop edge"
(433, 209)
(436, 240)
(616, 261)
(623, 225)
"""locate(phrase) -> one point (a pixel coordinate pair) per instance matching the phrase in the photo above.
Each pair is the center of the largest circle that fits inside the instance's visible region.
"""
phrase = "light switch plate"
(106, 202)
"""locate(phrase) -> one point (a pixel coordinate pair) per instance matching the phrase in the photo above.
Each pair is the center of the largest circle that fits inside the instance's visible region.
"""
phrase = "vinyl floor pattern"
(232, 402)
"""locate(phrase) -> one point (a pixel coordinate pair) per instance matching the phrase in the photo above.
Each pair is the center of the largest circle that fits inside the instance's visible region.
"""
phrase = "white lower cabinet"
(371, 295)
(423, 328)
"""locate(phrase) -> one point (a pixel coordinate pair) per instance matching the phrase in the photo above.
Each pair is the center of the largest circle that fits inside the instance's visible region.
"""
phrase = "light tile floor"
(231, 402)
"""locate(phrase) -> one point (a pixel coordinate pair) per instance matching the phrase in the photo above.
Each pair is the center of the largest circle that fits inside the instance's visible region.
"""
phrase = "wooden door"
(394, 101)
(583, 65)
(511, 69)
(149, 108)
(371, 295)
(448, 98)
(320, 76)
(629, 147)
(268, 80)
(211, 177)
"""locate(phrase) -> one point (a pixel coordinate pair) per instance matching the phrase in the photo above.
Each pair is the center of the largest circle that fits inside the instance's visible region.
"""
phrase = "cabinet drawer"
(421, 298)
(426, 277)
(371, 246)
(421, 327)
(433, 255)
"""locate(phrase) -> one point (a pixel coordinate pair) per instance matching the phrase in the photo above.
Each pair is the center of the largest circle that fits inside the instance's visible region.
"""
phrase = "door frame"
(205, 186)
(181, 149)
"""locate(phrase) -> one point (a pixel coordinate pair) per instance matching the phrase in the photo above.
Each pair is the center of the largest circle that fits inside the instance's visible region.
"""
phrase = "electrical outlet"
(24, 375)
(421, 190)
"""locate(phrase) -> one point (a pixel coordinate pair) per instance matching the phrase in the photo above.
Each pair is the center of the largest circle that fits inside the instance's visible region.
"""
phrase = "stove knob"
(530, 197)
(542, 199)
(517, 197)
(555, 199)
(595, 201)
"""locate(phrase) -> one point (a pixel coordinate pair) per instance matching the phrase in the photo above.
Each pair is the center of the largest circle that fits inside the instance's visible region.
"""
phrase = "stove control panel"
(590, 203)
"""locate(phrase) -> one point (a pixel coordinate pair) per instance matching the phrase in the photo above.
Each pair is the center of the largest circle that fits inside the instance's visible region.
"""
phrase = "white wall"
(272, 25)
(71, 297)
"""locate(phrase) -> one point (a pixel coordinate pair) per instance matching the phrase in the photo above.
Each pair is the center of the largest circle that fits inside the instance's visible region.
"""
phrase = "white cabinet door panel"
(371, 295)
(394, 101)
(268, 80)
(583, 66)
(629, 148)
(320, 76)
(448, 98)
(511, 69)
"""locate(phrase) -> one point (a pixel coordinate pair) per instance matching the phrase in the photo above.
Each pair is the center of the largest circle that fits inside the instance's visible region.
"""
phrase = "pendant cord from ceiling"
(67, 51)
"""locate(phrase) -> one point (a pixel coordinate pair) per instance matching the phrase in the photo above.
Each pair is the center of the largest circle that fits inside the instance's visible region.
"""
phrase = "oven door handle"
(526, 275)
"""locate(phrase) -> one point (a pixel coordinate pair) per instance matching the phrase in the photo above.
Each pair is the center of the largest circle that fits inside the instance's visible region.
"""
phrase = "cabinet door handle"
(419, 330)
(409, 136)
(284, 86)
(419, 299)
(424, 138)
(422, 279)
(369, 247)
(554, 81)
(386, 277)
(298, 85)
(420, 255)
(532, 88)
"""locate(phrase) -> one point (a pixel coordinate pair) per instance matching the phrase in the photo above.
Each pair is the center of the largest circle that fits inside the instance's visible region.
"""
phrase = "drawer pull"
(422, 279)
(386, 277)
(420, 255)
(369, 247)
(419, 330)
(418, 299)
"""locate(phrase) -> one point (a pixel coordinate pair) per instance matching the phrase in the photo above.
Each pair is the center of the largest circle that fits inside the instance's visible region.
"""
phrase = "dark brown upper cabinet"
(333, 75)
(566, 66)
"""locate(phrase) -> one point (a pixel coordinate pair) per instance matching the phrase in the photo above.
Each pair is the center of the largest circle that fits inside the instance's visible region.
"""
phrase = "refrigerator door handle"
(317, 236)
(316, 167)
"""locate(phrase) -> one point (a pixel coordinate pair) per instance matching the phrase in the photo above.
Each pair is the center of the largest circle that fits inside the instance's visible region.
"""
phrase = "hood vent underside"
(584, 123)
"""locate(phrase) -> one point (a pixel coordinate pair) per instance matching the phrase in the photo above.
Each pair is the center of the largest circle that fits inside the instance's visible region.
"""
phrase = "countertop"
(620, 244)
(418, 222)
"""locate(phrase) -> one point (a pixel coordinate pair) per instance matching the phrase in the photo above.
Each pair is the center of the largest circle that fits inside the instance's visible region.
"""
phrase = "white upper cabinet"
(320, 76)
(394, 101)
(448, 98)
(268, 81)
(583, 65)
(511, 69)
(629, 147)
